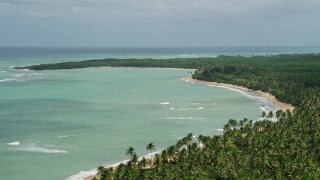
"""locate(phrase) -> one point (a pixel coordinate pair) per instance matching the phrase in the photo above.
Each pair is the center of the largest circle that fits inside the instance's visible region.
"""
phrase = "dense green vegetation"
(284, 149)
(288, 148)
(286, 62)
(291, 87)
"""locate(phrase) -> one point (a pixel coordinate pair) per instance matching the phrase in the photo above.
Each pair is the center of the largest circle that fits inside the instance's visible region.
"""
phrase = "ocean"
(54, 124)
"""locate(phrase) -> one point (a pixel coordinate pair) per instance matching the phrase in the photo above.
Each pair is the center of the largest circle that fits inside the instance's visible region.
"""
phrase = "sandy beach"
(281, 105)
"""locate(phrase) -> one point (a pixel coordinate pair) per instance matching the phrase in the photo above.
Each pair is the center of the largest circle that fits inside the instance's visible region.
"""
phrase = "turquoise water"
(54, 124)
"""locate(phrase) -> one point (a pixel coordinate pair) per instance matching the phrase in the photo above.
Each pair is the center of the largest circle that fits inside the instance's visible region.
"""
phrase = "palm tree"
(134, 158)
(150, 147)
(157, 161)
(279, 114)
(270, 115)
(188, 138)
(164, 155)
(100, 169)
(226, 128)
(171, 152)
(101, 172)
(143, 162)
(105, 173)
(130, 152)
(243, 122)
(233, 123)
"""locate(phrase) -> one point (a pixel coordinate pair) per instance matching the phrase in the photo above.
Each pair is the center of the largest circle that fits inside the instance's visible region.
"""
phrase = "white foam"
(251, 95)
(84, 174)
(25, 69)
(3, 71)
(263, 108)
(5, 80)
(187, 109)
(20, 75)
(265, 105)
(164, 103)
(196, 103)
(179, 118)
(220, 130)
(187, 55)
(16, 143)
(27, 75)
(20, 78)
(185, 118)
(66, 136)
(9, 80)
(41, 150)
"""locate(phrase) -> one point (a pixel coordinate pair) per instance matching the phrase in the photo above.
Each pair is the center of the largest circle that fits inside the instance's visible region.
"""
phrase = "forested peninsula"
(288, 148)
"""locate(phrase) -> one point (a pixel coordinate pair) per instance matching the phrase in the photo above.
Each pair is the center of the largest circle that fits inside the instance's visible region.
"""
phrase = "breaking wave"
(164, 103)
(185, 118)
(16, 143)
(187, 109)
(36, 149)
(66, 136)
(10, 80)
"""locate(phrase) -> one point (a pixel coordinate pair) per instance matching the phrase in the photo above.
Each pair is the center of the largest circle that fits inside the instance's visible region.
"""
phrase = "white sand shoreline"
(90, 174)
(132, 67)
(271, 98)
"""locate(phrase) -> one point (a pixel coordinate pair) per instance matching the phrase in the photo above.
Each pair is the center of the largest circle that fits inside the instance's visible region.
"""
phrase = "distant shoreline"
(281, 105)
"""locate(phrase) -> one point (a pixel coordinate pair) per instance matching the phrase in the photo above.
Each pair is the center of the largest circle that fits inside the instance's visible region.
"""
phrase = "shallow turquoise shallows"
(54, 124)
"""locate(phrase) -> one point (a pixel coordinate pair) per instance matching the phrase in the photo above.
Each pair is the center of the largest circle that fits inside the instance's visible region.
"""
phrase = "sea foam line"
(7, 80)
(36, 149)
(20, 75)
(187, 109)
(185, 118)
(264, 105)
(164, 103)
(66, 136)
(263, 101)
(15, 143)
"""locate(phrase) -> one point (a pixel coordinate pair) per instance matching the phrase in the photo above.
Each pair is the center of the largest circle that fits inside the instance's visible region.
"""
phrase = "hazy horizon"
(161, 23)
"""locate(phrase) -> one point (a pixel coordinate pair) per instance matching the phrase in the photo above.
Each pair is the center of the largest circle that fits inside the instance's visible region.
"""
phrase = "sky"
(159, 23)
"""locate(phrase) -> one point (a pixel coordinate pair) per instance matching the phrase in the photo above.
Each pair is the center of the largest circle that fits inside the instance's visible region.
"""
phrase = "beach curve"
(281, 105)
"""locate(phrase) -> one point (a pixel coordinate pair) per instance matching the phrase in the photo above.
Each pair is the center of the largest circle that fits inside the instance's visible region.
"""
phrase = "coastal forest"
(282, 145)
